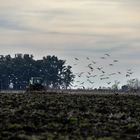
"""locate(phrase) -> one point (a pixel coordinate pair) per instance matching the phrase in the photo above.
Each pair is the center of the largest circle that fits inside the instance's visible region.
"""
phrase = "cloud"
(71, 28)
(72, 17)
(9, 24)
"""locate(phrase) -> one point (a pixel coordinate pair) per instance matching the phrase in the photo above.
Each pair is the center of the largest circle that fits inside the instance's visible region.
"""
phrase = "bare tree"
(115, 86)
(133, 84)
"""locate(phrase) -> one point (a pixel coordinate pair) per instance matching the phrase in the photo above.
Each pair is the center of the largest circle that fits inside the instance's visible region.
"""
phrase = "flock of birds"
(94, 70)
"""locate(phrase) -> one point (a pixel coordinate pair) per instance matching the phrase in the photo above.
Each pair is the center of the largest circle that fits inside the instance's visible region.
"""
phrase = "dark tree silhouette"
(19, 69)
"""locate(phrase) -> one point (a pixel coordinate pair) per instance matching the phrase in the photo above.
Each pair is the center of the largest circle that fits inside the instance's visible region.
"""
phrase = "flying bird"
(89, 73)
(130, 73)
(90, 81)
(115, 60)
(108, 83)
(93, 62)
(104, 78)
(91, 68)
(75, 86)
(112, 74)
(82, 83)
(94, 76)
(88, 76)
(102, 57)
(76, 59)
(99, 68)
(89, 65)
(102, 75)
(129, 70)
(83, 87)
(103, 71)
(133, 79)
(127, 75)
(80, 74)
(110, 64)
(107, 54)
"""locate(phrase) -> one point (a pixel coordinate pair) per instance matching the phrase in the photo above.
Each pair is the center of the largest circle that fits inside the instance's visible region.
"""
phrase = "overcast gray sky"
(75, 28)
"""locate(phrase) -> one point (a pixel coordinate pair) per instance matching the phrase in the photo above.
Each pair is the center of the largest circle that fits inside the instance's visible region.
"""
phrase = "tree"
(22, 67)
(115, 86)
(133, 84)
(68, 77)
(57, 74)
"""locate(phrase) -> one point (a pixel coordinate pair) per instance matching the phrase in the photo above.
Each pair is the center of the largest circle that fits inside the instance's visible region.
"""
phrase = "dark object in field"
(36, 87)
(36, 84)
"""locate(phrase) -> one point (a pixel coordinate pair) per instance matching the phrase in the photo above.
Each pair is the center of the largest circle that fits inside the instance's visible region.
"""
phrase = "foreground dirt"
(69, 117)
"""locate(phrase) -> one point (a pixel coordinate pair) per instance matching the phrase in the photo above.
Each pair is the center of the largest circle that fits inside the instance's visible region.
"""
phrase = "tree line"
(18, 70)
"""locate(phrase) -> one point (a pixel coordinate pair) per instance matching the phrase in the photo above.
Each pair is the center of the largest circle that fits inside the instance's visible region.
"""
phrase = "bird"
(80, 74)
(112, 74)
(76, 59)
(99, 68)
(104, 78)
(93, 62)
(83, 87)
(89, 73)
(90, 81)
(129, 70)
(115, 60)
(119, 72)
(133, 79)
(108, 83)
(87, 58)
(101, 78)
(76, 73)
(75, 86)
(102, 57)
(82, 83)
(88, 76)
(89, 65)
(93, 76)
(130, 73)
(107, 54)
(110, 64)
(91, 68)
(102, 75)
(103, 71)
(127, 75)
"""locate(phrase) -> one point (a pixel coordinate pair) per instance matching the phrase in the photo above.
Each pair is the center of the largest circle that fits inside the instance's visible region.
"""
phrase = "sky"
(73, 29)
